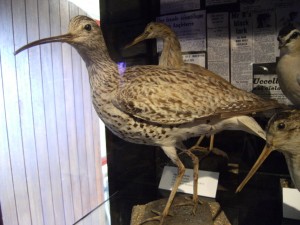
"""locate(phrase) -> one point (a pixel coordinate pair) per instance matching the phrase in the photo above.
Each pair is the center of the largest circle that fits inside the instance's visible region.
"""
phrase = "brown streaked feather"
(171, 56)
(182, 96)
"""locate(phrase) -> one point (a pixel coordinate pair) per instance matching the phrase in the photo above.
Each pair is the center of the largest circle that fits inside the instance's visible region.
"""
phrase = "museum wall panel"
(49, 134)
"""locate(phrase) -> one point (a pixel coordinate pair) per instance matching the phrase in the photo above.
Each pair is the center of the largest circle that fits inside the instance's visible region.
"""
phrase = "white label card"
(207, 182)
(291, 203)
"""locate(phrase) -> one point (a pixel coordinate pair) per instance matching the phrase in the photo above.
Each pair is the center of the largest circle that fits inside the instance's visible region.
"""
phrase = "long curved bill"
(138, 39)
(60, 38)
(264, 154)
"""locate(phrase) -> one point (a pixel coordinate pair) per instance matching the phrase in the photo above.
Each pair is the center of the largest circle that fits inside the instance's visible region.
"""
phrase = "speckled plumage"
(283, 134)
(171, 52)
(288, 66)
(150, 104)
(171, 57)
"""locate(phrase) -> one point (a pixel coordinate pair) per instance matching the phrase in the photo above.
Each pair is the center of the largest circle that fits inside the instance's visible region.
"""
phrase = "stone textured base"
(208, 213)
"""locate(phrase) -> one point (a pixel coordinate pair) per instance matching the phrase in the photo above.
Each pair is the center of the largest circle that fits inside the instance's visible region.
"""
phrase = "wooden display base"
(208, 213)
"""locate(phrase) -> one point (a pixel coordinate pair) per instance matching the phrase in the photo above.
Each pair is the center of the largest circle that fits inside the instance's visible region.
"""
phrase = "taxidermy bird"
(288, 66)
(283, 134)
(153, 105)
(171, 57)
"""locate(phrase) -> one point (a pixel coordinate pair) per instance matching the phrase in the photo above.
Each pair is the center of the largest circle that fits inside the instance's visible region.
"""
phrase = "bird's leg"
(195, 176)
(215, 151)
(200, 140)
(211, 143)
(196, 146)
(211, 148)
(161, 217)
(195, 160)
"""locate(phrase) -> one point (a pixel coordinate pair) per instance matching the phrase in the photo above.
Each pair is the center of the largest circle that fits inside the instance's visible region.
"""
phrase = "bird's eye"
(295, 35)
(281, 126)
(88, 27)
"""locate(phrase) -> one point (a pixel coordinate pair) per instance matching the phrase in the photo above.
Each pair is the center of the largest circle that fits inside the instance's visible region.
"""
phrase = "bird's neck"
(293, 50)
(171, 53)
(102, 70)
(293, 162)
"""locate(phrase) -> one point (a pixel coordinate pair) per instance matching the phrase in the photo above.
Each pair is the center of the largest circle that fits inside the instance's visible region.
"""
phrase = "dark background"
(135, 170)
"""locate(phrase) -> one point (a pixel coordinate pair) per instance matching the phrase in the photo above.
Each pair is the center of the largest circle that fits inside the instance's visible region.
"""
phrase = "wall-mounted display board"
(229, 37)
(234, 36)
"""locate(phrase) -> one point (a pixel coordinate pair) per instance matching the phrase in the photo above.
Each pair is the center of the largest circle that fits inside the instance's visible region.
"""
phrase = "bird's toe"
(160, 217)
(190, 201)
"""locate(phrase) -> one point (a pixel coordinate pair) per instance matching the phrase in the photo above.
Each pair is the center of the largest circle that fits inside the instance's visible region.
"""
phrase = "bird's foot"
(205, 151)
(160, 217)
(219, 152)
(199, 148)
(190, 202)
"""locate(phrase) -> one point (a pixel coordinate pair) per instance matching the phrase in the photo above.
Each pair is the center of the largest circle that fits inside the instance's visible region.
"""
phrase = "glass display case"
(134, 181)
(135, 170)
(52, 149)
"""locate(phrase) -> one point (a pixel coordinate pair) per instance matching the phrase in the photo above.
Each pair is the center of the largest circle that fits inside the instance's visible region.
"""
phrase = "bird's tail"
(251, 126)
(242, 122)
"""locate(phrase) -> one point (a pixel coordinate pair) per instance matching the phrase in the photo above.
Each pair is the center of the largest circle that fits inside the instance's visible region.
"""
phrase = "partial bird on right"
(283, 134)
(288, 66)
(171, 57)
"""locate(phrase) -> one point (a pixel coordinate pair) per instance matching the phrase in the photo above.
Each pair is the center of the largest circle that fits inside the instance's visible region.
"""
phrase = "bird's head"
(153, 30)
(283, 131)
(283, 134)
(83, 32)
(157, 30)
(289, 38)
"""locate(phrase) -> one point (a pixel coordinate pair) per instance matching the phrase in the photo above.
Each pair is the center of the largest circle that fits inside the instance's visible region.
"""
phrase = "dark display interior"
(134, 170)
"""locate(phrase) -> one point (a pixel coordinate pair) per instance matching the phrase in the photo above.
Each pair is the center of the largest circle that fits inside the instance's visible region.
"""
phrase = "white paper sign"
(291, 203)
(207, 182)
(195, 58)
(218, 44)
(189, 28)
(171, 6)
(242, 58)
